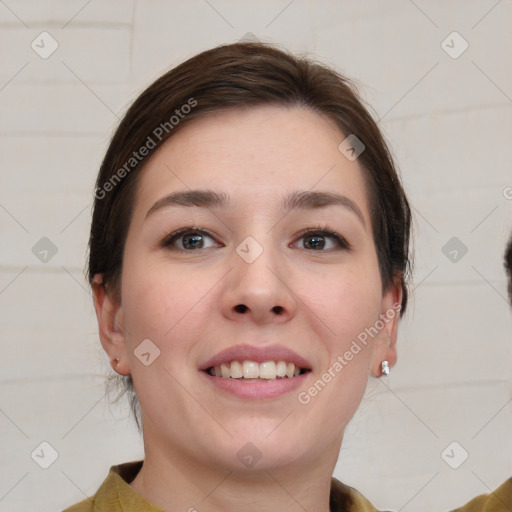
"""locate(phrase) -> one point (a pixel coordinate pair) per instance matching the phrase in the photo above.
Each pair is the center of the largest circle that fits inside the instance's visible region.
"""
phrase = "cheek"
(348, 307)
(158, 300)
(348, 301)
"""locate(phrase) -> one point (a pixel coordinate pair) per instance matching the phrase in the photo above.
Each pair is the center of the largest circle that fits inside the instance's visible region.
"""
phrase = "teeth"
(235, 370)
(224, 370)
(251, 370)
(281, 369)
(268, 370)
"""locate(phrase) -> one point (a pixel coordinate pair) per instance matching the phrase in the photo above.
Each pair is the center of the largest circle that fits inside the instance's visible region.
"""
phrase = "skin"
(185, 302)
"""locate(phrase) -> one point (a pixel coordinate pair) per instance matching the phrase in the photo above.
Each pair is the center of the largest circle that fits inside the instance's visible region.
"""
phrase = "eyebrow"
(309, 200)
(296, 200)
(201, 198)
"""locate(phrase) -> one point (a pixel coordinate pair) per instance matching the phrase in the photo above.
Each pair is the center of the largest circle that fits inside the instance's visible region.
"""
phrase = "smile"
(255, 372)
(250, 370)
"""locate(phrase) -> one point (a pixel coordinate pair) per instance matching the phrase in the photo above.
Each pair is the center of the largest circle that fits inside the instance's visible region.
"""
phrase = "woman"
(249, 262)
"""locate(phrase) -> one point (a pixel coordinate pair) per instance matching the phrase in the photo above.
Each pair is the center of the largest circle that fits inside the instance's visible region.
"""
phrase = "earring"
(115, 361)
(385, 368)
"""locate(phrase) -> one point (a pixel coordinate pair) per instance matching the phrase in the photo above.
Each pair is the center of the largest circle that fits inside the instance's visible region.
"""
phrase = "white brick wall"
(450, 125)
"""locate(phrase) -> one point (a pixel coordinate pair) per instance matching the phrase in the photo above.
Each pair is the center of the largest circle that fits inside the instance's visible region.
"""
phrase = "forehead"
(260, 152)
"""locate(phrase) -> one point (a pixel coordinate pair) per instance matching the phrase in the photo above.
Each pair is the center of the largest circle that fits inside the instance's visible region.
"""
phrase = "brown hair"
(239, 76)
(235, 76)
(508, 267)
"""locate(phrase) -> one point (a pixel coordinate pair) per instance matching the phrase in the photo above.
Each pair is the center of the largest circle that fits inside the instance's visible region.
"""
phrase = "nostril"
(241, 308)
(277, 309)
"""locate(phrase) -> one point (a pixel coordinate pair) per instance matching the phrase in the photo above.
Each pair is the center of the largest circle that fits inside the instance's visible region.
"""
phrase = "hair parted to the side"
(234, 76)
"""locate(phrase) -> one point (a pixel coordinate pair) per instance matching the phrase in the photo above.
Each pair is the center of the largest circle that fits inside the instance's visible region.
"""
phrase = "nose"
(258, 291)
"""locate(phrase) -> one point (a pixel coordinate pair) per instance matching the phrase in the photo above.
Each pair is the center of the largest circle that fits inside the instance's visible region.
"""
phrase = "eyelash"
(319, 230)
(322, 231)
(170, 239)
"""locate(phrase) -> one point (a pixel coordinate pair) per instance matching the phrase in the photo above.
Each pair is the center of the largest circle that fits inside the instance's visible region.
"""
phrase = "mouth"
(256, 372)
(252, 370)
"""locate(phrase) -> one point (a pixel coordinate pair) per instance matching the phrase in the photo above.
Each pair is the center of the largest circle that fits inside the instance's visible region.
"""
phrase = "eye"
(189, 239)
(320, 239)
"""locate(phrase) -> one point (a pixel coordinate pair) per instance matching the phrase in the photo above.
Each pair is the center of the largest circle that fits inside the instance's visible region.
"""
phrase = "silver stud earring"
(385, 368)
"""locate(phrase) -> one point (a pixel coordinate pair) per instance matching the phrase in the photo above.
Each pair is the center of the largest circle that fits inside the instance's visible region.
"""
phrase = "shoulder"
(84, 506)
(347, 499)
(115, 493)
(498, 501)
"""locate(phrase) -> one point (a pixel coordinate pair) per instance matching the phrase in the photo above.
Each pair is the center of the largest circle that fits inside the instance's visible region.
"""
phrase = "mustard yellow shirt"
(116, 495)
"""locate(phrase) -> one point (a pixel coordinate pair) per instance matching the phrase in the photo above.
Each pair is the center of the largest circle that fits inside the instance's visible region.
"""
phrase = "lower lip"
(257, 389)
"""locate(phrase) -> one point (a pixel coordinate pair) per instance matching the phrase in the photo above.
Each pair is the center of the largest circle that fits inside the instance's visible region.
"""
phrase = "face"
(251, 241)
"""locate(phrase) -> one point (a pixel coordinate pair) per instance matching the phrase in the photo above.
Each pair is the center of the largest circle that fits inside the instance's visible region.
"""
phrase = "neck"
(172, 480)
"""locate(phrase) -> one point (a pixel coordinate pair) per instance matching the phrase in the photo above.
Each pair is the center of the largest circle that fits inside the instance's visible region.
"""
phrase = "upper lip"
(256, 354)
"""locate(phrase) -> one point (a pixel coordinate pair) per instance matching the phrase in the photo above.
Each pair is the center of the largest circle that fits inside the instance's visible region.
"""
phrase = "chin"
(263, 449)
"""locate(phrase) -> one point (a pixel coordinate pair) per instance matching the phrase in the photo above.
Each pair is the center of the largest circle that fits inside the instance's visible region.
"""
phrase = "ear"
(385, 341)
(109, 314)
